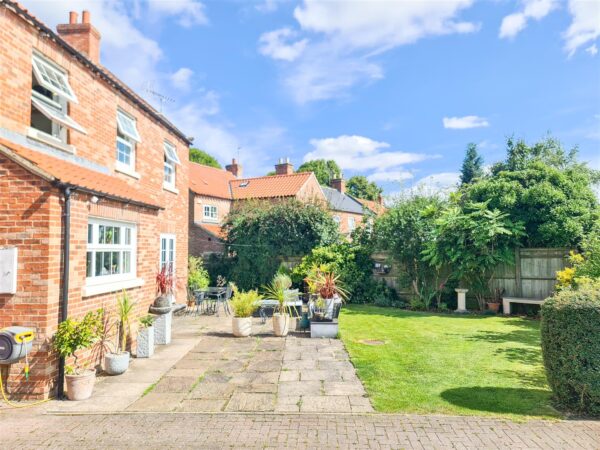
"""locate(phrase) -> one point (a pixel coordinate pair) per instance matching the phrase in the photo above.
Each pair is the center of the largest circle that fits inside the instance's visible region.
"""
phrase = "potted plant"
(117, 362)
(327, 286)
(283, 310)
(145, 337)
(494, 303)
(71, 337)
(164, 289)
(243, 306)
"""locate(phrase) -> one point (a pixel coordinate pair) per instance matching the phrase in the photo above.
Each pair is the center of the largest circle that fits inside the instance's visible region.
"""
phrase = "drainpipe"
(65, 281)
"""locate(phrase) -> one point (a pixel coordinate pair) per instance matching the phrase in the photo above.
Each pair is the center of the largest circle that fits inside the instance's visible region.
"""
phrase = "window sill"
(171, 189)
(96, 289)
(205, 220)
(49, 140)
(127, 171)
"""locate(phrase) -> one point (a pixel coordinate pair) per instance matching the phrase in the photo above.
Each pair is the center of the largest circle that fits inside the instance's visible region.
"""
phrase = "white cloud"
(276, 44)
(188, 12)
(435, 184)
(267, 6)
(592, 50)
(182, 78)
(391, 175)
(345, 36)
(361, 153)
(462, 123)
(585, 25)
(514, 23)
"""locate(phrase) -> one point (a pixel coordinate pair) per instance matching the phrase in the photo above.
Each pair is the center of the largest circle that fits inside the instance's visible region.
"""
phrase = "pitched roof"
(341, 202)
(65, 171)
(375, 207)
(205, 180)
(269, 186)
(98, 69)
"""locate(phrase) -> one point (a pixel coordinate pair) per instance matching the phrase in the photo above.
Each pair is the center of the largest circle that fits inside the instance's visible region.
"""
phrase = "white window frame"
(55, 109)
(337, 219)
(213, 213)
(127, 126)
(167, 237)
(95, 246)
(169, 184)
(171, 152)
(45, 71)
(351, 223)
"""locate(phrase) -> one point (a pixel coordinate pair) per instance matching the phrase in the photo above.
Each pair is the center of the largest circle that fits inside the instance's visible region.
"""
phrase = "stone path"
(262, 373)
(288, 431)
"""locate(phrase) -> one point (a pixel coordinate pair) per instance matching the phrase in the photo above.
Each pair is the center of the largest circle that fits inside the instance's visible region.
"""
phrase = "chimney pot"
(72, 17)
(85, 17)
(284, 167)
(83, 37)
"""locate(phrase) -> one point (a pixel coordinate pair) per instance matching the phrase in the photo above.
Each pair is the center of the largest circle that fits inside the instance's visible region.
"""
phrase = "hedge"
(571, 348)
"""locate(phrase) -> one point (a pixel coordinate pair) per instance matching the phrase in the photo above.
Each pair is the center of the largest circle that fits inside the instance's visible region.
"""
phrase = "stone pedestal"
(462, 300)
(145, 342)
(162, 329)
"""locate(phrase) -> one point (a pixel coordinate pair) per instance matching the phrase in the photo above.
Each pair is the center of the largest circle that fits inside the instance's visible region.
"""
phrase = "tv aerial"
(161, 98)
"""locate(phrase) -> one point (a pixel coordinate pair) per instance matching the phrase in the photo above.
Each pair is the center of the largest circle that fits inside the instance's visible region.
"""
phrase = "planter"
(281, 324)
(162, 329)
(80, 387)
(324, 329)
(162, 301)
(145, 342)
(241, 326)
(495, 307)
(116, 363)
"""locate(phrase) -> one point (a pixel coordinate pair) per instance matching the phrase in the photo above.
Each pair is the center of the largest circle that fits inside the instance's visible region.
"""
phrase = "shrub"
(198, 277)
(244, 304)
(571, 347)
(73, 335)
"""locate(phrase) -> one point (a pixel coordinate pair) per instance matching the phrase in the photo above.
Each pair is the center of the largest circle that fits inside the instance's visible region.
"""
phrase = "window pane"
(109, 235)
(90, 233)
(88, 264)
(117, 235)
(126, 262)
(124, 152)
(98, 264)
(101, 235)
(115, 263)
(127, 236)
(126, 126)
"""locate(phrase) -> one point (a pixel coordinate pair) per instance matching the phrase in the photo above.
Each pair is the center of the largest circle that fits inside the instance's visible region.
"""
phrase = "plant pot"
(116, 363)
(495, 307)
(241, 326)
(145, 343)
(80, 387)
(281, 324)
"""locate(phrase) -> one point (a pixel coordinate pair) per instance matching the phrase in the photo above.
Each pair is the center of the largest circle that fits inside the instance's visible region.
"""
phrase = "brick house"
(90, 175)
(213, 192)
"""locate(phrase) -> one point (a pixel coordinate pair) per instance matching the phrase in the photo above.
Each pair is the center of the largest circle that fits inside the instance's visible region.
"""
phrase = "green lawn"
(448, 364)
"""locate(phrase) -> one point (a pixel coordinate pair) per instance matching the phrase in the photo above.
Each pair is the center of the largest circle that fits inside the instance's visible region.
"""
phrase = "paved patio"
(206, 369)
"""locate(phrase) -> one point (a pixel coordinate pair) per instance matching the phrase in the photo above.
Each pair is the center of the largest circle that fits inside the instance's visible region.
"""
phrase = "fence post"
(518, 282)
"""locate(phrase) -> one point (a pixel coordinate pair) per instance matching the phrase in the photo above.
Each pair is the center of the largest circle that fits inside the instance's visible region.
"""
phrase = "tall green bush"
(571, 347)
(262, 234)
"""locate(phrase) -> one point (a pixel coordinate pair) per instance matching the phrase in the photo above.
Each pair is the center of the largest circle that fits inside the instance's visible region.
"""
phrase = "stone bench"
(506, 301)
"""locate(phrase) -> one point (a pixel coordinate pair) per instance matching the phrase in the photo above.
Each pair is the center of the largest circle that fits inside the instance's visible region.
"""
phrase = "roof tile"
(210, 181)
(269, 186)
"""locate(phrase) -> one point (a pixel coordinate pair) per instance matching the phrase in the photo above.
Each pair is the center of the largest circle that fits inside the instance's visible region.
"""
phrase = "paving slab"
(312, 403)
(158, 402)
(211, 391)
(343, 388)
(202, 405)
(288, 388)
(175, 385)
(242, 401)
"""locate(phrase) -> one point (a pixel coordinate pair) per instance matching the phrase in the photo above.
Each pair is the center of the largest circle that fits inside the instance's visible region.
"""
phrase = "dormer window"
(50, 97)
(171, 160)
(127, 137)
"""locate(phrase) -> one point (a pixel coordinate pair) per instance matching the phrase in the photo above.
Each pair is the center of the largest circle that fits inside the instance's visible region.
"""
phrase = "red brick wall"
(30, 209)
(200, 241)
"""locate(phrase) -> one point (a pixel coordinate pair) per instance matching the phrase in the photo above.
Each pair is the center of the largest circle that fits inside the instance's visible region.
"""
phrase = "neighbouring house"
(213, 192)
(93, 187)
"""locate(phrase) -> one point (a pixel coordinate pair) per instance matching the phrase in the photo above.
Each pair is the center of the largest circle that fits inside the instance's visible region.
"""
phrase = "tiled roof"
(215, 230)
(269, 186)
(205, 180)
(63, 171)
(375, 207)
(97, 68)
(341, 202)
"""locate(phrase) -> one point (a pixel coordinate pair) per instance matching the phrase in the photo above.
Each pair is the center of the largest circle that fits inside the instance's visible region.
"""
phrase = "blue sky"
(392, 90)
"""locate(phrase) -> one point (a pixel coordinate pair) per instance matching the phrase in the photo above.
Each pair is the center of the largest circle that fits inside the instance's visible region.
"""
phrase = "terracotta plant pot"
(241, 326)
(80, 387)
(116, 363)
(495, 307)
(281, 324)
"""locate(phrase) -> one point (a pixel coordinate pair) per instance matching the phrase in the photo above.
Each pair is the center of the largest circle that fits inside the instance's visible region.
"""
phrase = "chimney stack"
(339, 184)
(83, 37)
(234, 168)
(284, 167)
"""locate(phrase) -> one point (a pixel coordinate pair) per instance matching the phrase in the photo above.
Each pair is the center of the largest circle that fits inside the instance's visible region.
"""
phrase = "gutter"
(64, 304)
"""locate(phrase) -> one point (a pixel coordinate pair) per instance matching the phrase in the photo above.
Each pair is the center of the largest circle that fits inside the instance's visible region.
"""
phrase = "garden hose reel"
(15, 344)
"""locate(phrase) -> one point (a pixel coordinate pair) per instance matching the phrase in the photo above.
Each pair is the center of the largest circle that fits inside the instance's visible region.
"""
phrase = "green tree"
(472, 167)
(358, 186)
(324, 170)
(262, 234)
(201, 157)
(546, 189)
